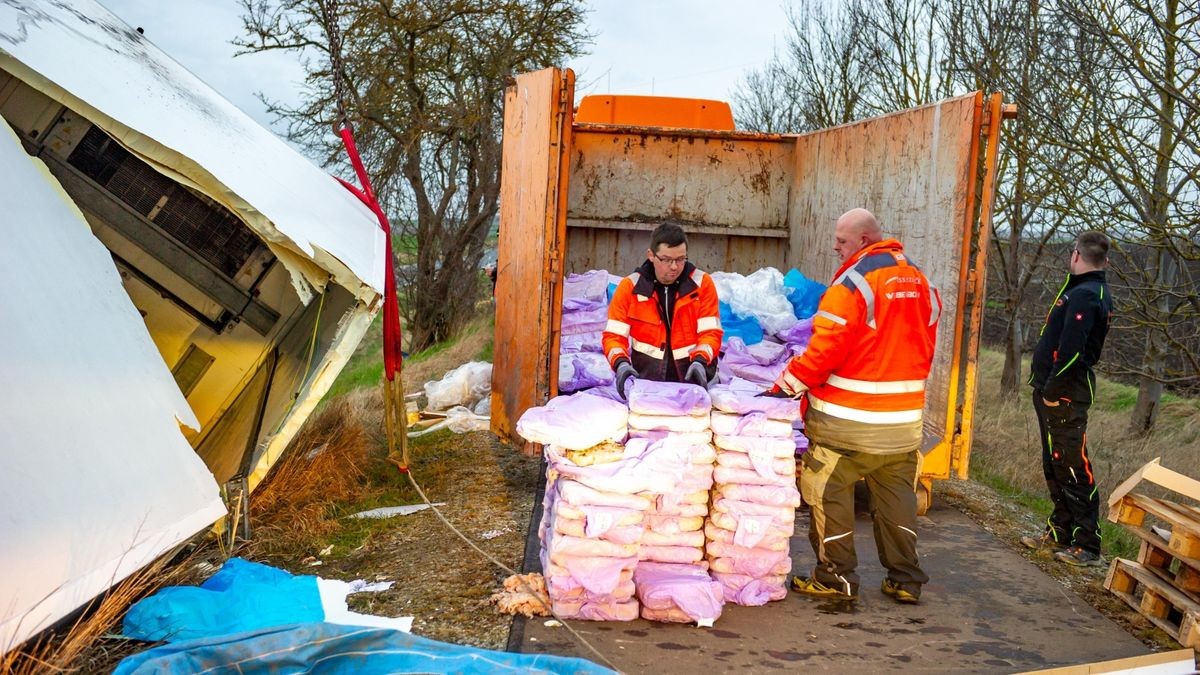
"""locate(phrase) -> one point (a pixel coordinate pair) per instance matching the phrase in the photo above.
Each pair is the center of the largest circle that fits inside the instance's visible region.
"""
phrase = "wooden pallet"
(1184, 522)
(1156, 599)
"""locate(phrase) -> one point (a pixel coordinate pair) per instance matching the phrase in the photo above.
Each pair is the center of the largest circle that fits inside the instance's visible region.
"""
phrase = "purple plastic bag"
(575, 422)
(585, 320)
(583, 370)
(591, 285)
(749, 591)
(647, 397)
(741, 396)
(797, 336)
(689, 588)
(591, 341)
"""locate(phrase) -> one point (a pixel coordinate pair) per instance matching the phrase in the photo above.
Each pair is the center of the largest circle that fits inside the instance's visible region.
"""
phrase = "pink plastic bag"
(727, 476)
(669, 524)
(648, 397)
(591, 285)
(741, 397)
(750, 591)
(693, 438)
(693, 539)
(782, 448)
(582, 342)
(752, 532)
(753, 424)
(767, 495)
(575, 422)
(597, 574)
(785, 515)
(671, 554)
(662, 587)
(755, 562)
(737, 566)
(741, 460)
(596, 611)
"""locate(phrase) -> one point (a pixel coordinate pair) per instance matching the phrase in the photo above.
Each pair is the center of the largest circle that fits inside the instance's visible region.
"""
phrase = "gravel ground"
(440, 580)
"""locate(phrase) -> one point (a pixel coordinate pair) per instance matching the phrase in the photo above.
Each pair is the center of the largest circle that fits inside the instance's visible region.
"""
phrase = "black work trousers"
(1075, 520)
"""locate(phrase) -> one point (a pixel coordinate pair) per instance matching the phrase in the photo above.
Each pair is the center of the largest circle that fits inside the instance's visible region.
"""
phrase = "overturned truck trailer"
(583, 195)
(181, 287)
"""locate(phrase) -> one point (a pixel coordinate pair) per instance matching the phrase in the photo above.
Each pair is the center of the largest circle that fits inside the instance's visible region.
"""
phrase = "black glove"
(697, 374)
(624, 373)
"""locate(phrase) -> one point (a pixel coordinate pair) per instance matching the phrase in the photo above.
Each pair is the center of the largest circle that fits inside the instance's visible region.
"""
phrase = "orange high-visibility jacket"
(636, 329)
(873, 339)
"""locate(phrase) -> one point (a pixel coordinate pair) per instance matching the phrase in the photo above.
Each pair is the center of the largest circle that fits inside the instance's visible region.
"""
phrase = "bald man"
(864, 375)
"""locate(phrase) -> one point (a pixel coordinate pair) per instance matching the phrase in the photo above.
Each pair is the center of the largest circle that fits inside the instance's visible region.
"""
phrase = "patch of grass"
(1006, 452)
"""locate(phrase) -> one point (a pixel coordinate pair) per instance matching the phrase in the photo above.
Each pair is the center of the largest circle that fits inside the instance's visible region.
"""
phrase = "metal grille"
(203, 226)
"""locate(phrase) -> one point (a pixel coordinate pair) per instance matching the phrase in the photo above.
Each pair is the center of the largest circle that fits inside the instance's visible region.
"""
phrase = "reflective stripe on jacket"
(873, 339)
(636, 329)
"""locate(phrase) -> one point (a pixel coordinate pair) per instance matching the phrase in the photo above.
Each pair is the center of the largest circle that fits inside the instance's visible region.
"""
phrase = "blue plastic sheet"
(804, 293)
(748, 329)
(241, 596)
(329, 649)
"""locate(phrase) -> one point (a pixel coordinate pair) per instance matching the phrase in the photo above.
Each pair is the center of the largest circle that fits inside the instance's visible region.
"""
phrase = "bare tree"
(817, 81)
(1008, 45)
(1138, 63)
(906, 53)
(422, 82)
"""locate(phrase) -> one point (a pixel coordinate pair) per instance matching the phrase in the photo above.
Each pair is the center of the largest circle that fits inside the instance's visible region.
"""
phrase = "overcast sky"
(696, 48)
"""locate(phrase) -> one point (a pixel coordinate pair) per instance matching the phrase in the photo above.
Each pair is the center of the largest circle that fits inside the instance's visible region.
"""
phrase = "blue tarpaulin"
(241, 596)
(746, 328)
(330, 649)
(804, 293)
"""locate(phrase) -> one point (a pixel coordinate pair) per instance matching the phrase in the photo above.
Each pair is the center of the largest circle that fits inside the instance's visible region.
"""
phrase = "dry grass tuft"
(88, 644)
(326, 465)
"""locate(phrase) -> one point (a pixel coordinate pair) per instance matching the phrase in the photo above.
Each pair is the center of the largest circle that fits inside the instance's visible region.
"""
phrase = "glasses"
(671, 262)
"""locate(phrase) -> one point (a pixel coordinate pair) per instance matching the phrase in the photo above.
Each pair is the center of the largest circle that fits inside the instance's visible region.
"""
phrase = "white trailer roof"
(96, 477)
(80, 54)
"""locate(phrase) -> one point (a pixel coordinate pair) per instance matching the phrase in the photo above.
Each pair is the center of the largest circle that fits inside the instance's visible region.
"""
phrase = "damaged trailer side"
(226, 282)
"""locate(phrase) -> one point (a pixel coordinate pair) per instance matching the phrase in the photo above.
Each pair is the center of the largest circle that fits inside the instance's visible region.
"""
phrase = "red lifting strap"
(392, 356)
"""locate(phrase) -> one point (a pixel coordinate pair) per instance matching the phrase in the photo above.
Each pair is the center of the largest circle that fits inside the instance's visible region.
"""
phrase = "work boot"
(894, 590)
(1079, 557)
(1046, 542)
(815, 589)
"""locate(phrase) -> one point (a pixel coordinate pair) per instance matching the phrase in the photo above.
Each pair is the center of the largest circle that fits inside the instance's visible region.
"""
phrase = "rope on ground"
(412, 479)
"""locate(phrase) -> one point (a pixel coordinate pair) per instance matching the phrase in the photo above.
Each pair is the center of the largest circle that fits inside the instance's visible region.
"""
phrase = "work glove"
(773, 392)
(625, 372)
(697, 374)
(786, 387)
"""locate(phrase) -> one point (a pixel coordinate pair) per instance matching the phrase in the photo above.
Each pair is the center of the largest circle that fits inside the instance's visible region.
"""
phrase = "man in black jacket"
(1063, 389)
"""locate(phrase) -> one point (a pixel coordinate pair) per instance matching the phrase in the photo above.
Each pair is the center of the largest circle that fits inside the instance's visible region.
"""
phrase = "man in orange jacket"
(663, 321)
(864, 372)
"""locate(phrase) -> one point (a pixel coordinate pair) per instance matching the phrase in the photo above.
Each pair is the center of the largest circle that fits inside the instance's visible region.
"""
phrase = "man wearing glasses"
(1063, 389)
(663, 321)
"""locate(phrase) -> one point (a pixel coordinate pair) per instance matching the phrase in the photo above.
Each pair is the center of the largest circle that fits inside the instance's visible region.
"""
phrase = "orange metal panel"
(913, 170)
(656, 111)
(996, 114)
(528, 289)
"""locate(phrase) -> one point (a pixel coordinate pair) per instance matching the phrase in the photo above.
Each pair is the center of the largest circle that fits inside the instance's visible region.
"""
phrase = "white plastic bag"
(464, 386)
(761, 295)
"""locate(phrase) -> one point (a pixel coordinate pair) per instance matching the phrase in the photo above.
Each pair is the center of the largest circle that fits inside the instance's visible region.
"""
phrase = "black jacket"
(1071, 340)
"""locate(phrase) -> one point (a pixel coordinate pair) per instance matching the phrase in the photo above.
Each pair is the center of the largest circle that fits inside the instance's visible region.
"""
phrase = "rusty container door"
(917, 170)
(537, 127)
(729, 190)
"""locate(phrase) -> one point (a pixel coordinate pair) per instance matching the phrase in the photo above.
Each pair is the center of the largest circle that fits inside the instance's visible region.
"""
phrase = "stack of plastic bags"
(754, 497)
(675, 416)
(581, 364)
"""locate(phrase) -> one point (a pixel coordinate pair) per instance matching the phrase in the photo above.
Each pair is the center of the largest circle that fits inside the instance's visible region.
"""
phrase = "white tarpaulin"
(96, 478)
(80, 54)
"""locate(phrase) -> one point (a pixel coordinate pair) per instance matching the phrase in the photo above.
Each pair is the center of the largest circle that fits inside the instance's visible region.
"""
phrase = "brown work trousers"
(827, 483)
